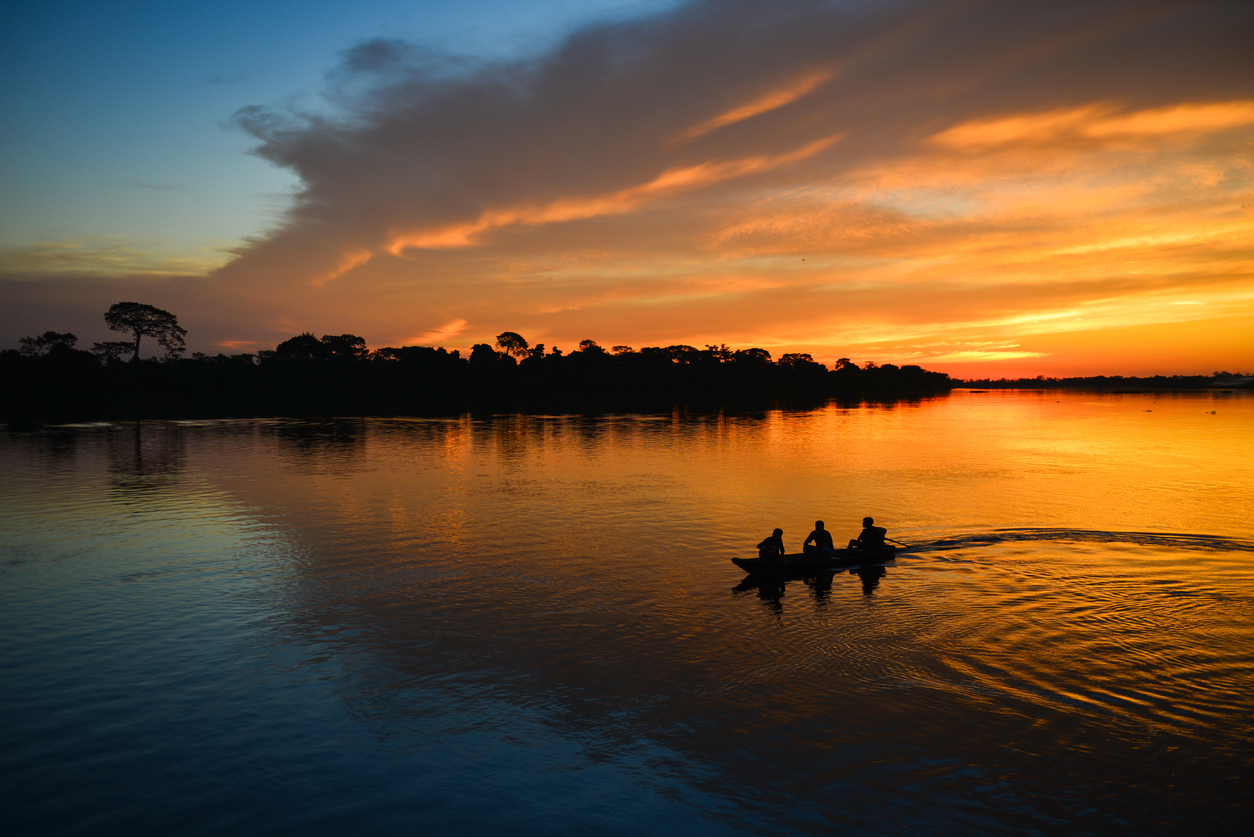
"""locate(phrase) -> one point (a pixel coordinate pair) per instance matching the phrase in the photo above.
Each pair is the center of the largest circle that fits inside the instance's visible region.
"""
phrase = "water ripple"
(1166, 540)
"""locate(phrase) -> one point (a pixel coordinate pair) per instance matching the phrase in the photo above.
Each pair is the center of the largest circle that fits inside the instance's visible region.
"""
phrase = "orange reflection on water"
(715, 485)
(573, 571)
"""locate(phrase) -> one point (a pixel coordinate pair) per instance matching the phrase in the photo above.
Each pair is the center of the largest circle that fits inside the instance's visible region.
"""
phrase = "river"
(530, 624)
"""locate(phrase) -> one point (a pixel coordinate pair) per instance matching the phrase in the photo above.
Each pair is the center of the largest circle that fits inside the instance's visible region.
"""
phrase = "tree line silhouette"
(1229, 380)
(51, 380)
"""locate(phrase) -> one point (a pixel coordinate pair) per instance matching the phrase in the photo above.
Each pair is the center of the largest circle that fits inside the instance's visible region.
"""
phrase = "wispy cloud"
(441, 335)
(773, 99)
(1097, 122)
(103, 258)
(668, 183)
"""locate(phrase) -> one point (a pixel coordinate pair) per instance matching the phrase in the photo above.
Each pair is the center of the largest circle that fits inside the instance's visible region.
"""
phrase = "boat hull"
(799, 565)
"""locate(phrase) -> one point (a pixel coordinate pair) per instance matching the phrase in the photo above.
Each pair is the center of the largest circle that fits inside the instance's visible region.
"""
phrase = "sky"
(984, 188)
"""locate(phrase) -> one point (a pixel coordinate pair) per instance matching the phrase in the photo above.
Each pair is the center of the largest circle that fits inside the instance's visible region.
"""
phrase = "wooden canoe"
(799, 565)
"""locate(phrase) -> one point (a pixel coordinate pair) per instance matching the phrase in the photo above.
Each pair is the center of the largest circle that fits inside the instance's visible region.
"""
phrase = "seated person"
(772, 549)
(822, 542)
(872, 536)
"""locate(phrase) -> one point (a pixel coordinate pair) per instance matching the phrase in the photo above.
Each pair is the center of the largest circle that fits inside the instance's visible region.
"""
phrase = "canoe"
(799, 565)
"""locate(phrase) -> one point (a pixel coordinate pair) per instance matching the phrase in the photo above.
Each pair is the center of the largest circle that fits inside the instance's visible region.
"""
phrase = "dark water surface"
(530, 624)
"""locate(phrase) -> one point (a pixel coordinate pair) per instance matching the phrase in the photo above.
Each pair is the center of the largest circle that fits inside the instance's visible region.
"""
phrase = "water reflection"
(58, 449)
(536, 611)
(334, 446)
(583, 629)
(870, 577)
(769, 590)
(145, 457)
(820, 586)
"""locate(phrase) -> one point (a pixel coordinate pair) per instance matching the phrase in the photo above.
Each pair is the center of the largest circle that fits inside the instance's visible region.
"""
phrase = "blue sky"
(118, 114)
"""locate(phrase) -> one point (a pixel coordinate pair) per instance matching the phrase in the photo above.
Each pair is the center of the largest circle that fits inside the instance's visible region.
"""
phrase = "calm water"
(530, 624)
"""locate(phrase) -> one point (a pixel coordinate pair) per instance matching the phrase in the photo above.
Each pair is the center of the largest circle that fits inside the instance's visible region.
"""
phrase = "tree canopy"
(305, 347)
(112, 349)
(47, 342)
(511, 343)
(140, 319)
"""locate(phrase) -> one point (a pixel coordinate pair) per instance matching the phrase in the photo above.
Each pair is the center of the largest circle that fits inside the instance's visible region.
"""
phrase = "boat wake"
(1168, 540)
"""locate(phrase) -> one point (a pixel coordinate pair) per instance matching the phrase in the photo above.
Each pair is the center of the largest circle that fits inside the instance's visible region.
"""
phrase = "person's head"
(867, 522)
(818, 524)
(778, 533)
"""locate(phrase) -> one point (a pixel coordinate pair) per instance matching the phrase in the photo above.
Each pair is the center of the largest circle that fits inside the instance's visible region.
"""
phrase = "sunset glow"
(769, 102)
(985, 190)
(668, 182)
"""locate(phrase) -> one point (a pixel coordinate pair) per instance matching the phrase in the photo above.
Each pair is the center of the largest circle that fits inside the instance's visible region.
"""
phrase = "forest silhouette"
(49, 380)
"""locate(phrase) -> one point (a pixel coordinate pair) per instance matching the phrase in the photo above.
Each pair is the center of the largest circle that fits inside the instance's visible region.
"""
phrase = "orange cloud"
(771, 101)
(443, 334)
(982, 356)
(347, 263)
(668, 182)
(1098, 121)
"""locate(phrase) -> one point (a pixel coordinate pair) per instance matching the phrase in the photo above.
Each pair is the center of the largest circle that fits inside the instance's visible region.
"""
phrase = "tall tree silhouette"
(141, 319)
(512, 343)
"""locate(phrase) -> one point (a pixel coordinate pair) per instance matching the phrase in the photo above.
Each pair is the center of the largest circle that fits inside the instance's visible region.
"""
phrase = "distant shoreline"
(1117, 383)
(309, 377)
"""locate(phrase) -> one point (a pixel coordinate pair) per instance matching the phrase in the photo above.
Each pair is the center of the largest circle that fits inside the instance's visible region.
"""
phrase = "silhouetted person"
(772, 549)
(872, 536)
(822, 542)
